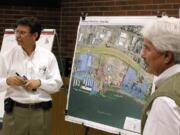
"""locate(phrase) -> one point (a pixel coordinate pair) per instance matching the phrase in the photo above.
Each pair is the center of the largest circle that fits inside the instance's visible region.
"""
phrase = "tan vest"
(170, 88)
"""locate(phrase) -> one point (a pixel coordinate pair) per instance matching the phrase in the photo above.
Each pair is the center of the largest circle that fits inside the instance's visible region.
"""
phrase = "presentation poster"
(108, 84)
(46, 39)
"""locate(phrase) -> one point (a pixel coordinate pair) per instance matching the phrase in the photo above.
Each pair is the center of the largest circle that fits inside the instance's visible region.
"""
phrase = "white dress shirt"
(42, 65)
(164, 116)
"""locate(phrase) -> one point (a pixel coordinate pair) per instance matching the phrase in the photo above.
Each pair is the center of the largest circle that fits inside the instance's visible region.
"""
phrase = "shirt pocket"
(42, 72)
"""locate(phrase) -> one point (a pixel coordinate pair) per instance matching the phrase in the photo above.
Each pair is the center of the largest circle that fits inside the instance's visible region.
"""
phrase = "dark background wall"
(64, 15)
(49, 17)
(71, 11)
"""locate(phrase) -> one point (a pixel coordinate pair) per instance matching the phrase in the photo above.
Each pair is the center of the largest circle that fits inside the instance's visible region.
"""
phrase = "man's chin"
(147, 69)
(150, 71)
(19, 43)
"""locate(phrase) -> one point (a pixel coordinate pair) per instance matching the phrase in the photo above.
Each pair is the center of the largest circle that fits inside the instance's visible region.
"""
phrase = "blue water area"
(84, 62)
(134, 85)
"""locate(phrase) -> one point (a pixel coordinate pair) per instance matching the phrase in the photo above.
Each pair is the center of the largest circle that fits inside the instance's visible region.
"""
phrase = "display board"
(46, 40)
(108, 84)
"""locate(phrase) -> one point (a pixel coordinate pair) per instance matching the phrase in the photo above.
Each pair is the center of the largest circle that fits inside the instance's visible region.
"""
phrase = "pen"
(17, 74)
(25, 79)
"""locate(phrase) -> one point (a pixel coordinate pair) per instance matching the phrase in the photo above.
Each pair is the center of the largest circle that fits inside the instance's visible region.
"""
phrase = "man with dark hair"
(33, 23)
(161, 53)
(29, 75)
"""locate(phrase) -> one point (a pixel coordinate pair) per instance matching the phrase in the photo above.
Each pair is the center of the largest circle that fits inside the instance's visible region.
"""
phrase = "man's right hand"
(15, 81)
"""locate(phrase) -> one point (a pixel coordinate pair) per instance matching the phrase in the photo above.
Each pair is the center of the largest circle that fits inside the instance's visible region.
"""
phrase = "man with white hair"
(161, 54)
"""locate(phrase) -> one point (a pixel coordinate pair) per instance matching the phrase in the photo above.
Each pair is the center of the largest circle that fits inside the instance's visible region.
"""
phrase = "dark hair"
(32, 22)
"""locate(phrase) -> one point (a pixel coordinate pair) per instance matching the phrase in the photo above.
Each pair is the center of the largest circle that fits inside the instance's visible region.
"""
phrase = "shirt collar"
(167, 74)
(25, 54)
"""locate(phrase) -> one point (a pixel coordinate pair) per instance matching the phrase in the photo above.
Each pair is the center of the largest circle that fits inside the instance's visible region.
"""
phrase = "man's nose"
(142, 53)
(17, 35)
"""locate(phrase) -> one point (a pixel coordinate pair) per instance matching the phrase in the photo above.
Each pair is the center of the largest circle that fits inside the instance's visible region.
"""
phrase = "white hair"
(164, 33)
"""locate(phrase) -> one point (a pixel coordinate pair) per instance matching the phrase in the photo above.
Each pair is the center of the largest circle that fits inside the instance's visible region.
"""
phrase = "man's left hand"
(32, 84)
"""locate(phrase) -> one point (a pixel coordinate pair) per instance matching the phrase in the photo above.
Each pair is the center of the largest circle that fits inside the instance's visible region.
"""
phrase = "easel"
(61, 65)
(161, 14)
(0, 125)
(59, 51)
(83, 15)
(86, 129)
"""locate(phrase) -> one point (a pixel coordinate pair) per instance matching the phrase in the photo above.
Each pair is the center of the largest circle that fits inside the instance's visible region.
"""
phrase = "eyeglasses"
(21, 33)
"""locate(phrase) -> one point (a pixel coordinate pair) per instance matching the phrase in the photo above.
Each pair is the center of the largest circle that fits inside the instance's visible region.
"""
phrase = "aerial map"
(108, 81)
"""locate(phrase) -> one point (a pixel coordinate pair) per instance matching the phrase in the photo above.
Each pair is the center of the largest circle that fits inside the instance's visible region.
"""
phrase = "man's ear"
(35, 35)
(168, 57)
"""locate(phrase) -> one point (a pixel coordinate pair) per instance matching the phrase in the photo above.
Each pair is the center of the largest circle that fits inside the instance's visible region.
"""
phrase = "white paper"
(132, 124)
